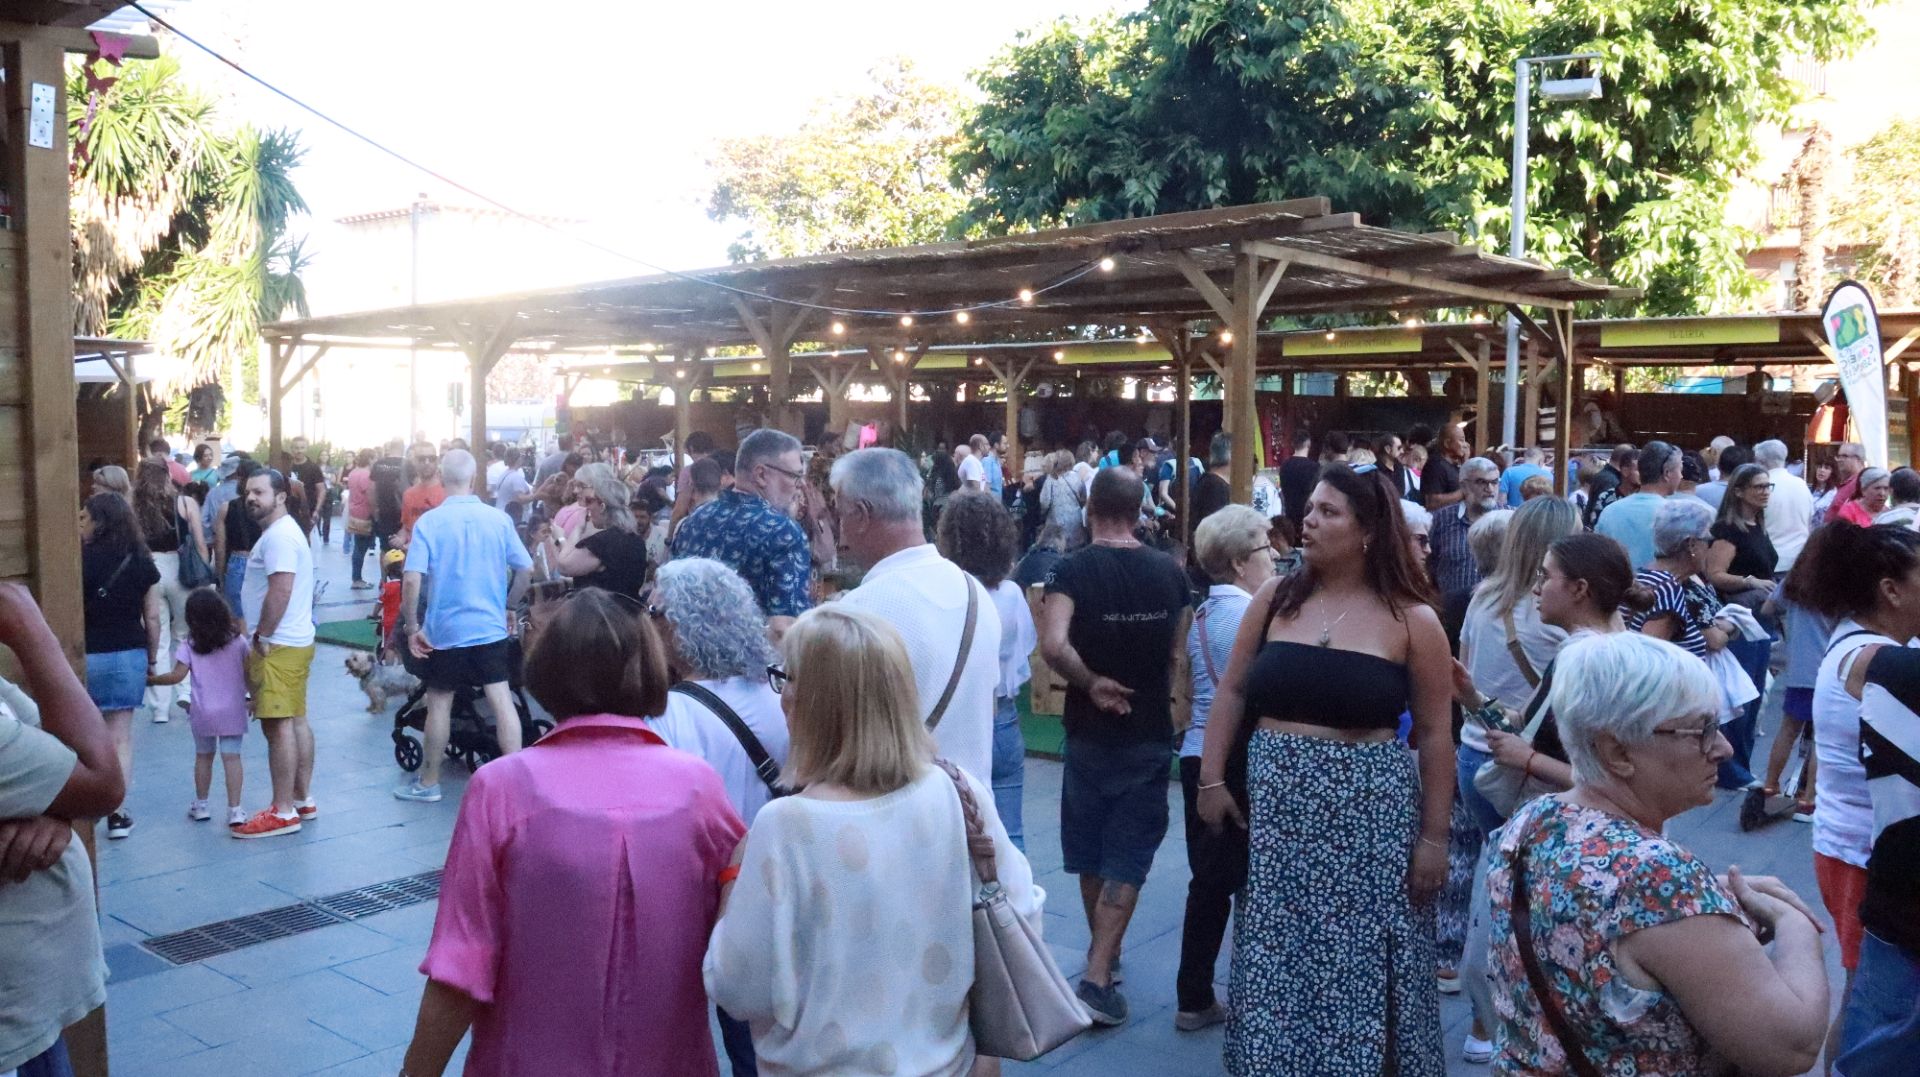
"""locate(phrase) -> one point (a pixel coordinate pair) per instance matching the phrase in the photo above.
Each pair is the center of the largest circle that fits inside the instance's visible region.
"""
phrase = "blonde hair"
(853, 710)
(114, 478)
(1228, 535)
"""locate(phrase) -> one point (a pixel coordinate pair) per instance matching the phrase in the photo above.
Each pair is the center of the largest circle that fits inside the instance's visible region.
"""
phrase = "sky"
(599, 110)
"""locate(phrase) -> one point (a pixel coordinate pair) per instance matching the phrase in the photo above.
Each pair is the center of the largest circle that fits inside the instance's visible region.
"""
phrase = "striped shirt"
(1692, 607)
(1890, 750)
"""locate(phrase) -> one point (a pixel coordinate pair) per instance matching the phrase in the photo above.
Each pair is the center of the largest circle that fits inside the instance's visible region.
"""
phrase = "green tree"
(1402, 110)
(866, 171)
(180, 227)
(1880, 211)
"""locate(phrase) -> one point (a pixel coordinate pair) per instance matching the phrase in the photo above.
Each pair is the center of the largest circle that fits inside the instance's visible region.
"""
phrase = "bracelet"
(1204, 786)
(1440, 845)
(1527, 767)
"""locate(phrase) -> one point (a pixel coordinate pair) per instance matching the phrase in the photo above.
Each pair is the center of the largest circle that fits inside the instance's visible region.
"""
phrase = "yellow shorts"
(279, 682)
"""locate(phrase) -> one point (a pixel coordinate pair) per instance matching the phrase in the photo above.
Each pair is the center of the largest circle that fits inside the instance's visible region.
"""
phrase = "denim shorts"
(1113, 807)
(117, 680)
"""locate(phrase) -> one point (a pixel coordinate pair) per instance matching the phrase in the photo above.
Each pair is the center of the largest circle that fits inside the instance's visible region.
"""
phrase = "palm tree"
(181, 230)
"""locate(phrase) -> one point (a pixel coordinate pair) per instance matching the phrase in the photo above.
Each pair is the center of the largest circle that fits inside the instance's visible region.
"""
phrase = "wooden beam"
(1570, 382)
(1482, 391)
(483, 350)
(1530, 428)
(1204, 284)
(277, 354)
(1244, 321)
(305, 368)
(1425, 282)
(1899, 347)
(131, 386)
(74, 39)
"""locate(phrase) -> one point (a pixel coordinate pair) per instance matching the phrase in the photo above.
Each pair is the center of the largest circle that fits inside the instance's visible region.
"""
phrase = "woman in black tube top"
(1333, 966)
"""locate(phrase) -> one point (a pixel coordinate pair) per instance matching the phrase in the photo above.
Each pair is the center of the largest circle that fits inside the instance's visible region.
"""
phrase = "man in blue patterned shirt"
(750, 528)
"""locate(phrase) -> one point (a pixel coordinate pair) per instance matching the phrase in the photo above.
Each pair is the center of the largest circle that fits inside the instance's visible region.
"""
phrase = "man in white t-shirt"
(973, 473)
(496, 467)
(277, 599)
(924, 596)
(1789, 509)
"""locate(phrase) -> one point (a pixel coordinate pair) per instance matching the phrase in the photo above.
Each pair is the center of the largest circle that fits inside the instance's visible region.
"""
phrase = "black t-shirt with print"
(623, 561)
(1126, 608)
(113, 603)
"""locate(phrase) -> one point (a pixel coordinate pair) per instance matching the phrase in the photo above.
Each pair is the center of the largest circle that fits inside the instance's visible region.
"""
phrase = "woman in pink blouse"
(584, 876)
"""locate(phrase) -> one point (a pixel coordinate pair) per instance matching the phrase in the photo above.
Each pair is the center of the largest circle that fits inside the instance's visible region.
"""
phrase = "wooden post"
(277, 353)
(682, 403)
(1564, 416)
(1531, 427)
(775, 334)
(1482, 393)
(897, 375)
(835, 386)
(122, 368)
(483, 349)
(1179, 344)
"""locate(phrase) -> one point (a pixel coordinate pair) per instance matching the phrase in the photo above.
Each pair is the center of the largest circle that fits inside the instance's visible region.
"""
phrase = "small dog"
(380, 680)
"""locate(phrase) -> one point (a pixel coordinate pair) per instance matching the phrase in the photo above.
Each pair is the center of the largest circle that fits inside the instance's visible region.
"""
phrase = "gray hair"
(457, 468)
(1533, 455)
(717, 625)
(1417, 518)
(615, 494)
(1624, 684)
(1220, 450)
(1678, 520)
(1477, 465)
(1870, 476)
(763, 445)
(1770, 453)
(592, 475)
(1486, 538)
(1228, 535)
(884, 480)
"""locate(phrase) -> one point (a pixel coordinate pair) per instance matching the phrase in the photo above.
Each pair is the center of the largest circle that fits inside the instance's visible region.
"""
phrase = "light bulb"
(1106, 265)
(1226, 336)
(679, 373)
(899, 356)
(906, 319)
(1331, 334)
(1059, 356)
(1026, 295)
(962, 317)
(839, 329)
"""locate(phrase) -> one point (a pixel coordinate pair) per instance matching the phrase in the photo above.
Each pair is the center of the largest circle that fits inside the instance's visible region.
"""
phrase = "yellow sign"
(1388, 341)
(1682, 332)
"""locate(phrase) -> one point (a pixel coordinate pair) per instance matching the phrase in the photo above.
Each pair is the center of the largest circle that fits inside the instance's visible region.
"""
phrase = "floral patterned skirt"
(1333, 966)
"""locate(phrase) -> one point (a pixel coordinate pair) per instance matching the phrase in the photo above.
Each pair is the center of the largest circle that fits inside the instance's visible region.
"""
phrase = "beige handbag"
(1020, 1007)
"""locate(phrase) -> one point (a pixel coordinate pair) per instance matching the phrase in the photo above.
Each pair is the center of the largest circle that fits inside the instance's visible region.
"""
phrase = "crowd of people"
(1439, 719)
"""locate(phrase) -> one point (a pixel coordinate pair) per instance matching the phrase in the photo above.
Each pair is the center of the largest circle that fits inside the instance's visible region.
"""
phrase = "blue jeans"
(51, 1062)
(235, 576)
(1467, 761)
(362, 546)
(1882, 1032)
(1752, 656)
(737, 1038)
(1009, 769)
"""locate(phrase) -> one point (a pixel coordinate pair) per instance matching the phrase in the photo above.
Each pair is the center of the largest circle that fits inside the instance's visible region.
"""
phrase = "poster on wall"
(1852, 326)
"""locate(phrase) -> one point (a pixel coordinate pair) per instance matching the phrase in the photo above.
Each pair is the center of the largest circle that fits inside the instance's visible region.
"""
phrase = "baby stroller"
(471, 737)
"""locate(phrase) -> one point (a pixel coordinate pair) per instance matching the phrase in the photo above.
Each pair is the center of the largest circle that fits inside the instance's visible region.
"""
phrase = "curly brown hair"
(977, 533)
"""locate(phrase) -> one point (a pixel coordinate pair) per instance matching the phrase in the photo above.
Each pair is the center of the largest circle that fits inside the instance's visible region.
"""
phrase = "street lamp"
(1557, 90)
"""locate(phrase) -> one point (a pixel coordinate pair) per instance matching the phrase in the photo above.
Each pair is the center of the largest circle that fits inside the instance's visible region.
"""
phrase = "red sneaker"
(307, 810)
(265, 824)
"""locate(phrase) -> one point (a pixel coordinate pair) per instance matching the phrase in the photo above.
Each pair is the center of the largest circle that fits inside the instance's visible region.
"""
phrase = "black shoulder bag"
(763, 764)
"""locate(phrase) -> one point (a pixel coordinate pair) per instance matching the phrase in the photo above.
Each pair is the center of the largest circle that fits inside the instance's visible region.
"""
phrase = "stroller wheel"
(407, 752)
(472, 758)
(540, 727)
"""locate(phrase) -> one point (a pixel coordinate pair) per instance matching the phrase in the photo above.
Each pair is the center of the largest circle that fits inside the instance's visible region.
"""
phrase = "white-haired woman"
(1869, 499)
(1064, 497)
(1419, 532)
(1686, 609)
(722, 707)
(1614, 946)
(605, 549)
(847, 940)
(1232, 547)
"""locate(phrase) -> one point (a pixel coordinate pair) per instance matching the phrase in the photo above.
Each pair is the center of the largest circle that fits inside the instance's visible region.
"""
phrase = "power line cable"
(1024, 298)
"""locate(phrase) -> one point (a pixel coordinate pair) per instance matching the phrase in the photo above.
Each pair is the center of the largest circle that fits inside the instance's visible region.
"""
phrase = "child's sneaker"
(306, 809)
(266, 824)
(119, 825)
(197, 811)
(236, 816)
(425, 794)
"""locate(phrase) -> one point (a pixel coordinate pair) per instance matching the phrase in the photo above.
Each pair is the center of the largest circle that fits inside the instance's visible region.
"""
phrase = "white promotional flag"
(1853, 329)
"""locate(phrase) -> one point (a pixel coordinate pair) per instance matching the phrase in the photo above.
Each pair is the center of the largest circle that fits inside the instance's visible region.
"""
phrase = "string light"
(1331, 334)
(1479, 317)
(1106, 265)
(1059, 356)
(1026, 296)
(977, 360)
(839, 329)
(899, 356)
(679, 373)
(962, 317)
(1412, 323)
(756, 368)
(1226, 336)
(906, 320)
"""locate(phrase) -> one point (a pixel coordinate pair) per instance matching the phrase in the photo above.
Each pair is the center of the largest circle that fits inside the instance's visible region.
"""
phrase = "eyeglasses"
(777, 679)
(1706, 735)
(796, 476)
(657, 611)
(1423, 541)
(1759, 486)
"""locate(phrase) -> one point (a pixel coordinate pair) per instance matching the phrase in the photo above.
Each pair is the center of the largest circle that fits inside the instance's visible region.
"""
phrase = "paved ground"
(340, 1000)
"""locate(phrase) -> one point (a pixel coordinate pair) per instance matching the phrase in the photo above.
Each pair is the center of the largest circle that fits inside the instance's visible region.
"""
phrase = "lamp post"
(1562, 90)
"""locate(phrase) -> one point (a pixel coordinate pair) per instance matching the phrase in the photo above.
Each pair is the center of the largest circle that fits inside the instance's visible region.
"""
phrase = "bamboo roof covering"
(966, 292)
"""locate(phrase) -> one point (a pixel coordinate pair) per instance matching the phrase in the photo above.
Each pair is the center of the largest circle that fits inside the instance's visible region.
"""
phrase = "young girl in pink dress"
(215, 654)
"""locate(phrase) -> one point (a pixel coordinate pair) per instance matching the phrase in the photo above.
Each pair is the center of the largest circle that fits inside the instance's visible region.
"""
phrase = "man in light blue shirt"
(1629, 521)
(1527, 468)
(1732, 458)
(478, 569)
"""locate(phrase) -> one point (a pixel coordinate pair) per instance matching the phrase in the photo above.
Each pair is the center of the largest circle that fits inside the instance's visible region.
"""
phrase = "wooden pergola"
(1189, 280)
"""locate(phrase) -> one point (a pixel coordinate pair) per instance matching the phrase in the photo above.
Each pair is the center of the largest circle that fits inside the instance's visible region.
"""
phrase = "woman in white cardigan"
(846, 941)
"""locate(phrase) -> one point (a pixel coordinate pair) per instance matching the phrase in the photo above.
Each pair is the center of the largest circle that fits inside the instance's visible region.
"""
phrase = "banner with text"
(1852, 326)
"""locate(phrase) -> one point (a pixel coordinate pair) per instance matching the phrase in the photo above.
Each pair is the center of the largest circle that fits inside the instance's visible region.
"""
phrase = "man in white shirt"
(1789, 510)
(496, 467)
(925, 597)
(973, 473)
(277, 599)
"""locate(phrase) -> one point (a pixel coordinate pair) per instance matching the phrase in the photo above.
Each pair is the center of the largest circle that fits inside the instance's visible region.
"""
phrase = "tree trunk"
(1810, 172)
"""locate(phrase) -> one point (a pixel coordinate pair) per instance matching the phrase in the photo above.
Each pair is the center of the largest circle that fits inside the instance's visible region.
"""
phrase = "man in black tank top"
(1114, 614)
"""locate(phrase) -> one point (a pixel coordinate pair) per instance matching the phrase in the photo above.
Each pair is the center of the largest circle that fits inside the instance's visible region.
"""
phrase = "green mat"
(356, 633)
(1043, 732)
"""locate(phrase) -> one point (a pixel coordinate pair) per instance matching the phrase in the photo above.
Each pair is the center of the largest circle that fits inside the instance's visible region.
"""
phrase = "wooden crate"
(1047, 692)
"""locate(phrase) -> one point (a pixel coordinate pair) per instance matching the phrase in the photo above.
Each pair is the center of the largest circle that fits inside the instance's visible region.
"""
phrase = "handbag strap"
(1521, 910)
(1537, 709)
(1206, 649)
(1518, 652)
(966, 648)
(114, 577)
(763, 764)
(979, 842)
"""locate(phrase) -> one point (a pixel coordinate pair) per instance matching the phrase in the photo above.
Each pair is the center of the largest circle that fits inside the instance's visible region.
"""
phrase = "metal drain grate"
(226, 936)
